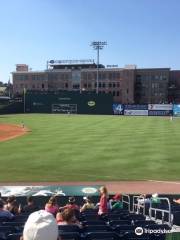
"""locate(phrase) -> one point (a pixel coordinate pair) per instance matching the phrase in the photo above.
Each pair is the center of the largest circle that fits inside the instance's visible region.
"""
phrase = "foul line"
(169, 182)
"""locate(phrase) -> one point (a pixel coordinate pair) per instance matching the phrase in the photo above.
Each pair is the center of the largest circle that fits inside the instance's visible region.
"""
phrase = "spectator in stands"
(71, 204)
(87, 205)
(115, 202)
(67, 217)
(12, 205)
(176, 201)
(52, 206)
(5, 213)
(141, 200)
(40, 225)
(155, 198)
(103, 203)
(30, 207)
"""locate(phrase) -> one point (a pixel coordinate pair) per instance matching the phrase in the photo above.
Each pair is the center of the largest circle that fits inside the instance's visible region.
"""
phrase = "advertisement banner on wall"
(160, 106)
(118, 109)
(160, 112)
(176, 110)
(136, 107)
(136, 112)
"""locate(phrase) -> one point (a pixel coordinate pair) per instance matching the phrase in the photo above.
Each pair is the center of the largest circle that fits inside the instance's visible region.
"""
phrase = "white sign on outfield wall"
(136, 112)
(160, 106)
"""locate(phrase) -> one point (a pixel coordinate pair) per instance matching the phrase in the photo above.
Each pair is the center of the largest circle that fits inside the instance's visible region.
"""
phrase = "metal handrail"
(126, 202)
(169, 211)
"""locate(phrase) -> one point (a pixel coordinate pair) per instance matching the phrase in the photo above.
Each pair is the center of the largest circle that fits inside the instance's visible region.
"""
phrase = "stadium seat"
(143, 222)
(14, 236)
(97, 228)
(124, 228)
(70, 236)
(135, 217)
(115, 223)
(69, 228)
(95, 222)
(21, 218)
(102, 236)
(6, 230)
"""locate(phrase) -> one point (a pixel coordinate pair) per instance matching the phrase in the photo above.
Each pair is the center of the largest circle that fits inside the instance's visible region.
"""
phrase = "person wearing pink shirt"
(52, 206)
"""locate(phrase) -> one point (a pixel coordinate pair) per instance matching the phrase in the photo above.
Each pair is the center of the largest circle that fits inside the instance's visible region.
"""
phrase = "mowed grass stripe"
(91, 148)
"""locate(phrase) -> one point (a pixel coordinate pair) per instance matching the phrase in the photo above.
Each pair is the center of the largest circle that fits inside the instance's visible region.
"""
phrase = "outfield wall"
(68, 102)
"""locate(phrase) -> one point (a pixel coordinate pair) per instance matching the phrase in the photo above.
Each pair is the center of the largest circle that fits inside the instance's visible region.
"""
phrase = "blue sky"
(141, 32)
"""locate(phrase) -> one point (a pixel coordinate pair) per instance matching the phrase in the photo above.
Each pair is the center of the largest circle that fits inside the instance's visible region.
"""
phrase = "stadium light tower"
(98, 45)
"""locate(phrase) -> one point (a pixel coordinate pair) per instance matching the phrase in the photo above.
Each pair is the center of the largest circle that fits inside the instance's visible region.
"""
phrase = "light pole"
(98, 45)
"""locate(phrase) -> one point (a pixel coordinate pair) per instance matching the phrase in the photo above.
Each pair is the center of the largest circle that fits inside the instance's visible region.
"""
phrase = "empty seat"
(6, 230)
(92, 216)
(69, 228)
(14, 236)
(97, 228)
(95, 222)
(135, 217)
(115, 223)
(124, 228)
(143, 222)
(70, 236)
(102, 236)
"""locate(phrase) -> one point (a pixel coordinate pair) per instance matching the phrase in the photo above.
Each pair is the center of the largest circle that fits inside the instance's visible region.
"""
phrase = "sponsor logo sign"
(118, 109)
(136, 107)
(91, 103)
(176, 110)
(160, 112)
(136, 112)
(160, 106)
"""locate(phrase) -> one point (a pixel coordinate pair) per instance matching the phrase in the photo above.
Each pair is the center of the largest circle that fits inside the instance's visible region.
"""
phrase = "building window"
(66, 85)
(42, 86)
(114, 93)
(76, 86)
(89, 85)
(114, 85)
(110, 85)
(117, 93)
(118, 84)
(85, 85)
(103, 85)
(99, 85)
(127, 90)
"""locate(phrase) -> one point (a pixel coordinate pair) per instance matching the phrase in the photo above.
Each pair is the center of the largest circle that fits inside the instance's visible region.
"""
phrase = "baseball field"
(91, 148)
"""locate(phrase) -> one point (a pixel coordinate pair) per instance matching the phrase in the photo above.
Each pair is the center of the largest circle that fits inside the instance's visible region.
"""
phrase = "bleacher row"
(115, 226)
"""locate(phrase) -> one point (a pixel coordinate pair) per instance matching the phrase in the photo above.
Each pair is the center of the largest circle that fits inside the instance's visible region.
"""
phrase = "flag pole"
(24, 100)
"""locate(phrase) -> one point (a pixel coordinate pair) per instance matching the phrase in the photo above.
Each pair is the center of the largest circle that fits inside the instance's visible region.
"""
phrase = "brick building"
(77, 76)
(174, 86)
(151, 85)
(127, 85)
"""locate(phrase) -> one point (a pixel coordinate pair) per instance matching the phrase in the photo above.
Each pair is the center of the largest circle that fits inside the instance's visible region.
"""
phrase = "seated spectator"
(40, 225)
(67, 217)
(71, 204)
(30, 207)
(87, 205)
(5, 213)
(12, 205)
(115, 202)
(52, 206)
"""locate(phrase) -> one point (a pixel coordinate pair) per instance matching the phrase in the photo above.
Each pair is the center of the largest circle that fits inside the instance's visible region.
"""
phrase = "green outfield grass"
(91, 148)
